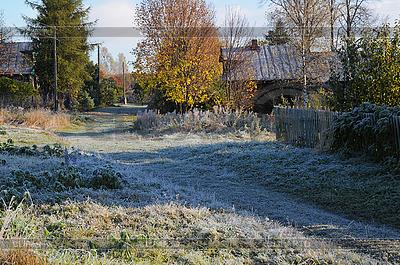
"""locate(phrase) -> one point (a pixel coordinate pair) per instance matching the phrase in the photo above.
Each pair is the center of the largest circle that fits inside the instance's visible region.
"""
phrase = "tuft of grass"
(20, 256)
(36, 118)
(219, 120)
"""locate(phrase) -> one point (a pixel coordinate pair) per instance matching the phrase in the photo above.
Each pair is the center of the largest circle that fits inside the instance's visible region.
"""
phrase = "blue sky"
(120, 13)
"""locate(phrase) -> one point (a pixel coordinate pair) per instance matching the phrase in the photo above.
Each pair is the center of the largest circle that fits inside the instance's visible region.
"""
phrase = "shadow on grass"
(247, 174)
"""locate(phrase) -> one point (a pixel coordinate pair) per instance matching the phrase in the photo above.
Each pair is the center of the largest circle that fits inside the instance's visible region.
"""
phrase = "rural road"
(191, 163)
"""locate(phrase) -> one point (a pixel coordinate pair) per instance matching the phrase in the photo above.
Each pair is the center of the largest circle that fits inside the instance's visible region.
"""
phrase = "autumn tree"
(66, 22)
(238, 72)
(179, 55)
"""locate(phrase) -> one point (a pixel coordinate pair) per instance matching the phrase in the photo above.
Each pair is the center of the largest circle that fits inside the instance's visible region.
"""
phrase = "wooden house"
(16, 61)
(278, 71)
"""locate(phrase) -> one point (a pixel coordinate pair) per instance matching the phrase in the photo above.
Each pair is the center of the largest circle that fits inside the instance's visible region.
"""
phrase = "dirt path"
(202, 167)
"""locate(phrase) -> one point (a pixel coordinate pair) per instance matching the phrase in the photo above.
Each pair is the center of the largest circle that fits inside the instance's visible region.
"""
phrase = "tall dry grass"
(219, 120)
(20, 257)
(36, 118)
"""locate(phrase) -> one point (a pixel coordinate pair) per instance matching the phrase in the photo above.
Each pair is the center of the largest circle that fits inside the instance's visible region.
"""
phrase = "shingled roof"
(280, 63)
(14, 59)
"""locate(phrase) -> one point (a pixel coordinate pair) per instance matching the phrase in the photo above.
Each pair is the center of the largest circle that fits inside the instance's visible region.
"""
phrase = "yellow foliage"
(181, 61)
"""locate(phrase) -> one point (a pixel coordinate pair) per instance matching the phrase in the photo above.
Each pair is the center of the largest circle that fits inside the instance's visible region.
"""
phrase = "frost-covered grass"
(213, 188)
(28, 136)
(89, 233)
(197, 121)
(145, 222)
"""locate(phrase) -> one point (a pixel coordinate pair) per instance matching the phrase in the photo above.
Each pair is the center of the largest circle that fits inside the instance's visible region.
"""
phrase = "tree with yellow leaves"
(179, 55)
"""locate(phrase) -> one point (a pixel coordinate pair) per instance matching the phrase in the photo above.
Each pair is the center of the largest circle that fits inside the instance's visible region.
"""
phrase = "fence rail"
(310, 128)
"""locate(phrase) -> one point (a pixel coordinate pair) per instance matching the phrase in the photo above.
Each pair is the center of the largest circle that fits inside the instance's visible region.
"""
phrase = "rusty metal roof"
(14, 59)
(281, 62)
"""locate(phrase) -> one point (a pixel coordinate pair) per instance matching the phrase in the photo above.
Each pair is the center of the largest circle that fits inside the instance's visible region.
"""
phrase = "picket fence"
(310, 128)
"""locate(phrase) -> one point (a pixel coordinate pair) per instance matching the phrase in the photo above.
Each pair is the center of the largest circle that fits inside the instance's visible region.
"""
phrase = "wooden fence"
(395, 121)
(305, 127)
(310, 128)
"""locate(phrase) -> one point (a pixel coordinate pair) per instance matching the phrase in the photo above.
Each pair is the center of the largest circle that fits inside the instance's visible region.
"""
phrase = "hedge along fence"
(304, 127)
(368, 128)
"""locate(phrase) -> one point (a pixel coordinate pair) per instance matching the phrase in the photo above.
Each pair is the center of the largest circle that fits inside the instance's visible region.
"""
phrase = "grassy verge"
(89, 233)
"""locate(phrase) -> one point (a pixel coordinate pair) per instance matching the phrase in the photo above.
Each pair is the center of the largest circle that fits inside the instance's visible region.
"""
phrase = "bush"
(86, 103)
(106, 178)
(9, 147)
(109, 92)
(219, 120)
(60, 180)
(368, 70)
(16, 93)
(366, 129)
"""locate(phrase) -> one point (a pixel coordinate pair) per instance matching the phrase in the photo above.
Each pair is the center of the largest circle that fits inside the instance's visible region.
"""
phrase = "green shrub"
(109, 92)
(106, 178)
(9, 147)
(67, 178)
(86, 103)
(366, 129)
(16, 92)
(60, 180)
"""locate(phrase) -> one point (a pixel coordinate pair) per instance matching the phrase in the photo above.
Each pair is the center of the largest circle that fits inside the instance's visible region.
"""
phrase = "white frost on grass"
(230, 172)
(215, 171)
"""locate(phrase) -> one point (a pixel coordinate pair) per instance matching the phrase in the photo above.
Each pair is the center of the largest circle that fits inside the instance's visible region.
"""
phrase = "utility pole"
(55, 71)
(123, 82)
(98, 65)
(98, 62)
(98, 68)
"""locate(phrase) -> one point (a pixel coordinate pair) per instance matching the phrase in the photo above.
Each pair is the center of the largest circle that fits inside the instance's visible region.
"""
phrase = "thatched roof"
(14, 59)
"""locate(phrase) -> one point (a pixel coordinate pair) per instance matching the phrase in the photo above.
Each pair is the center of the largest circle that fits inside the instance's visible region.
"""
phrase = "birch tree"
(306, 20)
(353, 13)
